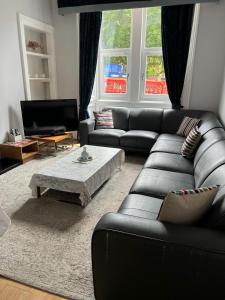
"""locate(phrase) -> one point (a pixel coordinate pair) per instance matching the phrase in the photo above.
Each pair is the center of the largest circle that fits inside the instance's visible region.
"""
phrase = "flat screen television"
(49, 117)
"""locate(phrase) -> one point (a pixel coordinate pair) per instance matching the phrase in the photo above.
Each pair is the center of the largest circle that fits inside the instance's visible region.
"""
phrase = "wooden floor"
(10, 290)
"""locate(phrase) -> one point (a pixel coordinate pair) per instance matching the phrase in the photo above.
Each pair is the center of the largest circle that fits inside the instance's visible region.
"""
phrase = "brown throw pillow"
(187, 125)
(187, 206)
(191, 142)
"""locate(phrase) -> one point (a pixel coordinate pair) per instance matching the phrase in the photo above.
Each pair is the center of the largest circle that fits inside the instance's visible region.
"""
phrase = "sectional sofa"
(134, 256)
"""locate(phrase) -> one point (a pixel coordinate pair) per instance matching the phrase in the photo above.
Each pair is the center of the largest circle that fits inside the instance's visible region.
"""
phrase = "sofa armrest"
(86, 127)
(135, 258)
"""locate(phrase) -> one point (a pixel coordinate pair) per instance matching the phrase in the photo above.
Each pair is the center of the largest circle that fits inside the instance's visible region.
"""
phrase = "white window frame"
(153, 51)
(100, 70)
(136, 69)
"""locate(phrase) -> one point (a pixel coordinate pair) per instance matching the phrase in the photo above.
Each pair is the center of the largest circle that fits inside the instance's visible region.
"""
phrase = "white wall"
(221, 109)
(11, 78)
(209, 58)
(67, 53)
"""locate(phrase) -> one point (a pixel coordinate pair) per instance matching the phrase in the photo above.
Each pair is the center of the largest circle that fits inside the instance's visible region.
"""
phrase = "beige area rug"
(48, 245)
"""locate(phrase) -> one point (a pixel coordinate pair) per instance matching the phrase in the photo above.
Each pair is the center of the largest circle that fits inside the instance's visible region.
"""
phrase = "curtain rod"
(124, 5)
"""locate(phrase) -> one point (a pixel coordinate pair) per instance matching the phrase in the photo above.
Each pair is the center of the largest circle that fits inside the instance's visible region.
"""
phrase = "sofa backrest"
(121, 118)
(215, 218)
(209, 122)
(159, 120)
(145, 119)
(211, 159)
(172, 119)
(208, 139)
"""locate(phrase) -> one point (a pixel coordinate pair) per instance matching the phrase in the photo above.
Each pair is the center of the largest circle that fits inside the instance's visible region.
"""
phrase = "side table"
(23, 151)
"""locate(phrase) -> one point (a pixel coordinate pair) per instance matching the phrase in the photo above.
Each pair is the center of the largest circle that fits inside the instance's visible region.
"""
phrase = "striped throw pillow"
(103, 119)
(187, 206)
(187, 125)
(191, 142)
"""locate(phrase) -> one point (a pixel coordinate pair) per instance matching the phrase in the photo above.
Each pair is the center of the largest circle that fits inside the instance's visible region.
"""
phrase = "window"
(154, 74)
(130, 64)
(115, 51)
(116, 29)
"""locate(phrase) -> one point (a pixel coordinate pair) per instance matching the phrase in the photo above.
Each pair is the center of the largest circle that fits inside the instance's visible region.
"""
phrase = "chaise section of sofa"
(140, 258)
(134, 256)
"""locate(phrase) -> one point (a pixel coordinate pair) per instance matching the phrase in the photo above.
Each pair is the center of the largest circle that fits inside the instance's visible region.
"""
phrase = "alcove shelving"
(38, 58)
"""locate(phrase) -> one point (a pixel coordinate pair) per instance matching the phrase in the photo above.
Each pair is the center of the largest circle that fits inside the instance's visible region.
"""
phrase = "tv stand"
(54, 139)
(51, 135)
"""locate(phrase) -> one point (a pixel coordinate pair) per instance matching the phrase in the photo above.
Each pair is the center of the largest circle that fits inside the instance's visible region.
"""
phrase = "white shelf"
(38, 88)
(39, 79)
(40, 55)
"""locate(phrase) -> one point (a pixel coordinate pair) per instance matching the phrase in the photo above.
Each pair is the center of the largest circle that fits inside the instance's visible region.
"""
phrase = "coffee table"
(85, 179)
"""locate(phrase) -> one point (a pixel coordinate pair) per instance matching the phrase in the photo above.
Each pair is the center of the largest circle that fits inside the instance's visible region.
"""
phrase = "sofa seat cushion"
(106, 137)
(138, 139)
(157, 183)
(171, 137)
(168, 146)
(141, 206)
(169, 162)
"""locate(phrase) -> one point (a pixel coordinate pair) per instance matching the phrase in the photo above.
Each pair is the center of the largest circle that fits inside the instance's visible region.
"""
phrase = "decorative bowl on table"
(80, 159)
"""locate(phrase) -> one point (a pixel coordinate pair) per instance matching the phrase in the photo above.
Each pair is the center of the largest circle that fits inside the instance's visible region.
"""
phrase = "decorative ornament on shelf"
(33, 46)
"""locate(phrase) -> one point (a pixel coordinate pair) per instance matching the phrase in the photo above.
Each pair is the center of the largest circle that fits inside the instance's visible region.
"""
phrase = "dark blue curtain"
(90, 26)
(176, 33)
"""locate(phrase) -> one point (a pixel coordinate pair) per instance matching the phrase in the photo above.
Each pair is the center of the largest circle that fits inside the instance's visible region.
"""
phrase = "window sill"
(137, 104)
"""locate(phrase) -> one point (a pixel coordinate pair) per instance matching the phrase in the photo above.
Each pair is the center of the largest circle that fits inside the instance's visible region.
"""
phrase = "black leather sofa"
(134, 256)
